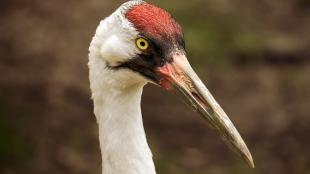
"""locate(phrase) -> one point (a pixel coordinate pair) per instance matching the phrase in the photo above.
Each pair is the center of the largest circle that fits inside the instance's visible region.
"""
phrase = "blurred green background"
(253, 55)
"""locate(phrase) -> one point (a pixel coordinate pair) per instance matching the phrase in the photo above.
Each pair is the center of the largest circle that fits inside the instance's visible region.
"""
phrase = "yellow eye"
(142, 44)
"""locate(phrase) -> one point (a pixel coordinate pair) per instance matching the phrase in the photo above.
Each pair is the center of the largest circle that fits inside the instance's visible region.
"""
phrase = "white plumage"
(117, 97)
(116, 93)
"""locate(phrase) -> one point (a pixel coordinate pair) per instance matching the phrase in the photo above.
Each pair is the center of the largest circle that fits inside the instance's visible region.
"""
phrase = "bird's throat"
(123, 143)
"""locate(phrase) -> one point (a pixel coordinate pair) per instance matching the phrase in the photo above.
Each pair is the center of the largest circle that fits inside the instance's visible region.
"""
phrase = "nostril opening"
(199, 99)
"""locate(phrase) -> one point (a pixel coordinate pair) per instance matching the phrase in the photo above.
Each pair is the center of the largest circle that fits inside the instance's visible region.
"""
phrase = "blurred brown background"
(253, 55)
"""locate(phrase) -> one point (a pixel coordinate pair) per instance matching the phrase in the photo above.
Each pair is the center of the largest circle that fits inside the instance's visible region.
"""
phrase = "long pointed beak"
(180, 76)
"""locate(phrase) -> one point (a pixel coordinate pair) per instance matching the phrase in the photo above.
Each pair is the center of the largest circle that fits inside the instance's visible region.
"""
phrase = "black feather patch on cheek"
(160, 52)
(143, 65)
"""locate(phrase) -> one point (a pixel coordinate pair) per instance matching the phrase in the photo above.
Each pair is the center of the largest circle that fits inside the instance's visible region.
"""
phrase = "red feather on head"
(154, 21)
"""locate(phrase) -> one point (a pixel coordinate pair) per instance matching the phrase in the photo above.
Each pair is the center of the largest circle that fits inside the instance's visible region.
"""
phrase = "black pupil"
(142, 44)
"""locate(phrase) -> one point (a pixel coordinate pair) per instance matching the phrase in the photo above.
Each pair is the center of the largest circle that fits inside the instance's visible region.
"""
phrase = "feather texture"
(117, 96)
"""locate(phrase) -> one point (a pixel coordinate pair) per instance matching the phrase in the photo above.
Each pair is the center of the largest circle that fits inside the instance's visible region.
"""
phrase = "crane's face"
(150, 44)
(146, 39)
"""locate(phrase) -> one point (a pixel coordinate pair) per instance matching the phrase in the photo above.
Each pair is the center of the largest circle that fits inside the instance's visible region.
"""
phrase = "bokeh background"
(253, 55)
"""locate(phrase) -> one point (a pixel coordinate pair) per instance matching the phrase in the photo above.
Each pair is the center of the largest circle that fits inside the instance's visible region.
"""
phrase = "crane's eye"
(142, 44)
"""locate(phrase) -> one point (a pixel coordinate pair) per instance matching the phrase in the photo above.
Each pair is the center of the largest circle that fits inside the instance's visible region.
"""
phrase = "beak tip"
(251, 162)
(248, 158)
(243, 151)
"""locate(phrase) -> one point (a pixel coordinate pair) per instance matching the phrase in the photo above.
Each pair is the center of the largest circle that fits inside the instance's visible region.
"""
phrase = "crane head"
(146, 42)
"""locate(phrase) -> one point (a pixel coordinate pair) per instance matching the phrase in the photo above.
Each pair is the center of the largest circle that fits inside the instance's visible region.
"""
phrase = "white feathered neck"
(117, 97)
